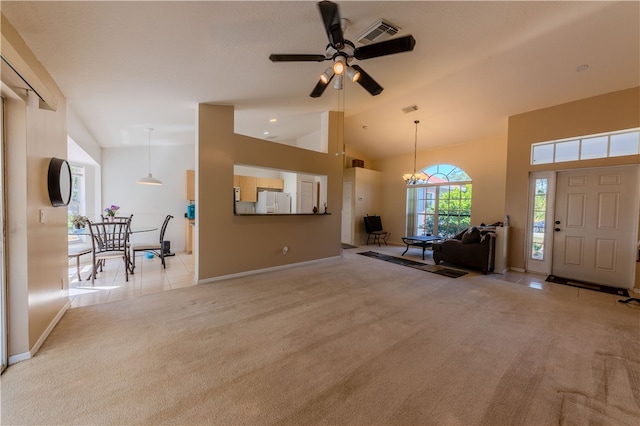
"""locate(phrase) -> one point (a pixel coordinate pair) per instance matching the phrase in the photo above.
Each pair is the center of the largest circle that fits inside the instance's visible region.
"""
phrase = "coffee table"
(423, 241)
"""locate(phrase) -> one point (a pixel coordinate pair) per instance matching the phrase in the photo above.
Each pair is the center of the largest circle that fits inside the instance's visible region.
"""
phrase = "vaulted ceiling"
(125, 66)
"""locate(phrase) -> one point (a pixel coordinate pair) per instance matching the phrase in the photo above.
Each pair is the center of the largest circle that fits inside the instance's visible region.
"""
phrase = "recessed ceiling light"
(265, 133)
(582, 67)
(409, 109)
(273, 120)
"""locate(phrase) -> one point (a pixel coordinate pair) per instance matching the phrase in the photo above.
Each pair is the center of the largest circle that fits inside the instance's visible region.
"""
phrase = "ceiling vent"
(380, 31)
(409, 109)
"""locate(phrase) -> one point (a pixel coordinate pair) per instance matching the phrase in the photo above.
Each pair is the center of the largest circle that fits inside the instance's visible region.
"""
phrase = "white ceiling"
(126, 66)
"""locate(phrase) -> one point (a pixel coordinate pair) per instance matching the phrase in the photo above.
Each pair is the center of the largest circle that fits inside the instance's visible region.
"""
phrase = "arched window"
(441, 203)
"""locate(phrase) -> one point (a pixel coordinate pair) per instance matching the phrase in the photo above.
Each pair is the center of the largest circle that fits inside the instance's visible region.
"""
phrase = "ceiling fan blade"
(367, 82)
(293, 57)
(388, 47)
(319, 89)
(331, 20)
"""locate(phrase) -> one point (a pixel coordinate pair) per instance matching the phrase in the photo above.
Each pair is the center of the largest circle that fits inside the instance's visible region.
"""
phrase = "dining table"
(132, 230)
(76, 248)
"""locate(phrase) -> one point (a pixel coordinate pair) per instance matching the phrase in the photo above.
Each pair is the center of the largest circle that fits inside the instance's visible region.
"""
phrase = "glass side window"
(539, 218)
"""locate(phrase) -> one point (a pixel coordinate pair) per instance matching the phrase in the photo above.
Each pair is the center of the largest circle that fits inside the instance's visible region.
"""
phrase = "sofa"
(472, 248)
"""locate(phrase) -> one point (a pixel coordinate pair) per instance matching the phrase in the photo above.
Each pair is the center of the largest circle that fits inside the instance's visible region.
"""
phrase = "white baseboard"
(28, 355)
(260, 271)
(14, 359)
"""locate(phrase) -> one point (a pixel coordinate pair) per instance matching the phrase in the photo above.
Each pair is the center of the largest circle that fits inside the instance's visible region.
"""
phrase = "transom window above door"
(604, 145)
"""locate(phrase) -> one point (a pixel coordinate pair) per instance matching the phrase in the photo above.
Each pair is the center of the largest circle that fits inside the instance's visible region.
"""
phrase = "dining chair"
(124, 219)
(110, 240)
(156, 248)
(76, 252)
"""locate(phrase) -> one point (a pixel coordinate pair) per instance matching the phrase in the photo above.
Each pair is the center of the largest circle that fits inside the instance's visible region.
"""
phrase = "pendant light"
(415, 178)
(149, 179)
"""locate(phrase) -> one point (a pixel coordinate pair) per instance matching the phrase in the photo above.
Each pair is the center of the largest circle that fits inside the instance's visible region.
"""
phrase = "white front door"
(596, 225)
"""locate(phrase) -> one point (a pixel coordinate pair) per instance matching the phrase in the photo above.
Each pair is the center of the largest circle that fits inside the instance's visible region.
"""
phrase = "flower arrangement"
(78, 221)
(112, 210)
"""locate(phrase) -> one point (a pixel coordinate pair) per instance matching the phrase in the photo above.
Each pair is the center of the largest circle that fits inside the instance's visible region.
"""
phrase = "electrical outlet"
(285, 250)
(41, 215)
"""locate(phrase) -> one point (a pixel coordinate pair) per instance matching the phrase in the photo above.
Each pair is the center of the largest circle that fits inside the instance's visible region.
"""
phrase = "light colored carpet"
(347, 341)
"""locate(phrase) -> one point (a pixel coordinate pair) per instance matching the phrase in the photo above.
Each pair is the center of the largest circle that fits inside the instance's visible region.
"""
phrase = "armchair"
(473, 248)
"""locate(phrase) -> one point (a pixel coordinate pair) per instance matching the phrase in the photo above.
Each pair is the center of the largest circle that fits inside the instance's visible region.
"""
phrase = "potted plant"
(111, 211)
(79, 221)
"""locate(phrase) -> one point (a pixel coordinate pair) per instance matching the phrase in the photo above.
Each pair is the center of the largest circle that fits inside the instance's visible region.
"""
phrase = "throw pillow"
(472, 236)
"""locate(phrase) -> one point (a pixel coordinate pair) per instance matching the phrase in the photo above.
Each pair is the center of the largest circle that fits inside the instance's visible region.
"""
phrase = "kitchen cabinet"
(190, 186)
(270, 183)
(188, 235)
(248, 188)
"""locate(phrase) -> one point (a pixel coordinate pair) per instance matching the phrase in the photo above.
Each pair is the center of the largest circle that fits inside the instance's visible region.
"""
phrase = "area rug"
(440, 270)
(589, 286)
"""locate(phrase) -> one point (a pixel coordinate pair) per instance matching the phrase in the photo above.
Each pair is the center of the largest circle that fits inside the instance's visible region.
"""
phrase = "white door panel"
(596, 218)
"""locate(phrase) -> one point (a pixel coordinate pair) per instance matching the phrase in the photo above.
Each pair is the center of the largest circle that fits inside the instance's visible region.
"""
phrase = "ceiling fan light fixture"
(325, 77)
(342, 51)
(339, 65)
(353, 74)
(337, 84)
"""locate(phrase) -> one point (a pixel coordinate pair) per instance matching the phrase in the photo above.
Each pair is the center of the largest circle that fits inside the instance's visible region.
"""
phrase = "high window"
(441, 204)
(604, 145)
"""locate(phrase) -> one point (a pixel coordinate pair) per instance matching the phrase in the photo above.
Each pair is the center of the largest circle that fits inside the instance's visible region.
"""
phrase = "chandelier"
(415, 178)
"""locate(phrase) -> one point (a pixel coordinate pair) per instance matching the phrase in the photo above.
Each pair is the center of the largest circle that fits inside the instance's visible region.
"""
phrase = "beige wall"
(351, 154)
(37, 252)
(229, 244)
(483, 160)
(599, 114)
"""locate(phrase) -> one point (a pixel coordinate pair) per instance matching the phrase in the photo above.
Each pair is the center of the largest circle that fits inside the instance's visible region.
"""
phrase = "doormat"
(440, 270)
(589, 286)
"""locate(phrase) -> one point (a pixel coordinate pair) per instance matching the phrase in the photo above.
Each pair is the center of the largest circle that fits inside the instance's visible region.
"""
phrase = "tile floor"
(110, 284)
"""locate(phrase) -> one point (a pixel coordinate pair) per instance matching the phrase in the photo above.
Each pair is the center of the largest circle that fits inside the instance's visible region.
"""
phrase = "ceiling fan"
(342, 52)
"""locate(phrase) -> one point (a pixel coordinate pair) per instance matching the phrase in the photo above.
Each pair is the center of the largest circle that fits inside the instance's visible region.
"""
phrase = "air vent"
(380, 31)
(409, 109)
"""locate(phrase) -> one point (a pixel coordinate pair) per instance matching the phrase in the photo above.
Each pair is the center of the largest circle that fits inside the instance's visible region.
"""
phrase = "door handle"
(557, 222)
(557, 229)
